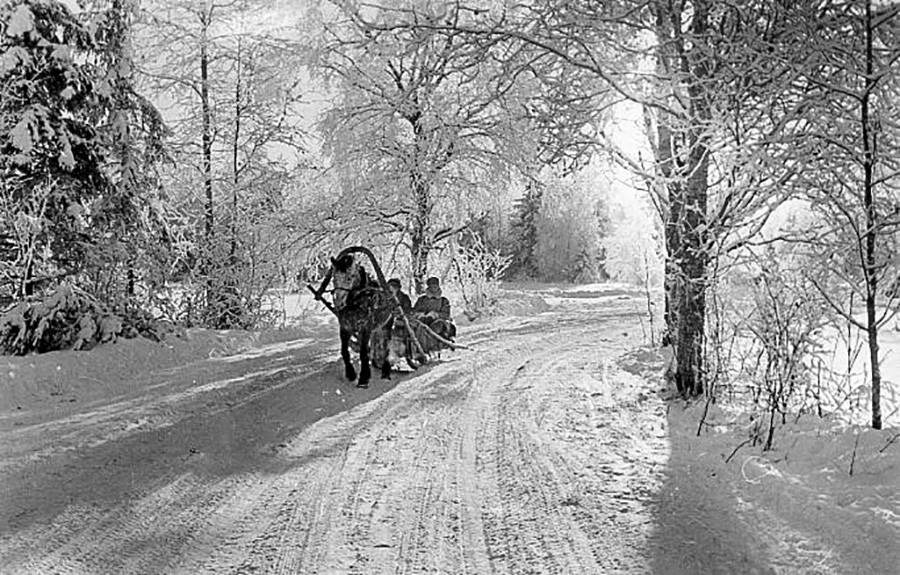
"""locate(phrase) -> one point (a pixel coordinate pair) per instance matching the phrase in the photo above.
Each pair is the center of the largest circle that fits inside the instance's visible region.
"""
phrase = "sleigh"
(403, 336)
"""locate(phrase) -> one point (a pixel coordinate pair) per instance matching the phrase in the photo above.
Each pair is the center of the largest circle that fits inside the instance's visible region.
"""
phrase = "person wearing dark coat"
(433, 309)
(399, 345)
(397, 289)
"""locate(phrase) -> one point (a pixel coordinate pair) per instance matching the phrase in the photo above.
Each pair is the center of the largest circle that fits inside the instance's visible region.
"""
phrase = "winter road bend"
(532, 454)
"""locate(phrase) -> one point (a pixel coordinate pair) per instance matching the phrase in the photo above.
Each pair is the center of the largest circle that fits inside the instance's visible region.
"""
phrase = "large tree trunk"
(683, 161)
(420, 238)
(692, 280)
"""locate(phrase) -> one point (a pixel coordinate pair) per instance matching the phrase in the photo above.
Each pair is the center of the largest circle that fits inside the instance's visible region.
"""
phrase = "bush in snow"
(477, 271)
(786, 326)
(68, 318)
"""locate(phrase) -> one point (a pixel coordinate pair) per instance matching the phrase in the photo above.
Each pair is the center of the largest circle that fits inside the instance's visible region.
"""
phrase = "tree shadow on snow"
(697, 526)
(223, 436)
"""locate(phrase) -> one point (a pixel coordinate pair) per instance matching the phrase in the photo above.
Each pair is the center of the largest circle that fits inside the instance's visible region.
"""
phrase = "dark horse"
(363, 308)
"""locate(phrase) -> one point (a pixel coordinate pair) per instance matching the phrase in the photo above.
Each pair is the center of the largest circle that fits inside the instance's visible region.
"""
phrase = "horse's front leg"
(365, 372)
(345, 355)
(386, 365)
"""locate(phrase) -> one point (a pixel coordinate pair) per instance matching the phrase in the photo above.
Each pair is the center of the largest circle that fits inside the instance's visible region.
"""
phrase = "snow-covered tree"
(77, 152)
(231, 94)
(851, 167)
(570, 229)
(428, 121)
(523, 239)
(716, 110)
(77, 144)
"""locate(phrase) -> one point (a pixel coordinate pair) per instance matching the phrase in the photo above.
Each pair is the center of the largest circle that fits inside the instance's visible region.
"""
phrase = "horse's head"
(348, 276)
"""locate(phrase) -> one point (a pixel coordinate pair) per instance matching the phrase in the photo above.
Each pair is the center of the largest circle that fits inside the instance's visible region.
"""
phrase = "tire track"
(502, 460)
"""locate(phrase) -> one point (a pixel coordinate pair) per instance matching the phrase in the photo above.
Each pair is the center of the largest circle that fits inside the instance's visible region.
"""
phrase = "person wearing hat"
(399, 344)
(397, 290)
(433, 309)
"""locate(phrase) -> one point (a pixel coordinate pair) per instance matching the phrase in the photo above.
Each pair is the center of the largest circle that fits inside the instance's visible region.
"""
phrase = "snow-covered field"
(552, 446)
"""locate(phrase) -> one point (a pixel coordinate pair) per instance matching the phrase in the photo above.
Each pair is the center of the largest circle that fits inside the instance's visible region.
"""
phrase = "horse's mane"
(364, 278)
(344, 263)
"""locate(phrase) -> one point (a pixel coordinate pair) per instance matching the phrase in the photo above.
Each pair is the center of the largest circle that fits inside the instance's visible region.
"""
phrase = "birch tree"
(852, 173)
(688, 63)
(428, 120)
(232, 96)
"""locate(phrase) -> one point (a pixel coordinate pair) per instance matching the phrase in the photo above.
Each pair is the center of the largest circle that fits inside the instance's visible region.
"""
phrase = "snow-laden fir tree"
(77, 145)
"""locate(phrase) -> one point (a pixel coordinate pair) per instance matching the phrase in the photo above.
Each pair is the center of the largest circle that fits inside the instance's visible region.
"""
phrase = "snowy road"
(531, 454)
(539, 451)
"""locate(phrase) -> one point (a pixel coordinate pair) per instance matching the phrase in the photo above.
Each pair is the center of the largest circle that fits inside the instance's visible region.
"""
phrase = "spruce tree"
(69, 175)
(527, 210)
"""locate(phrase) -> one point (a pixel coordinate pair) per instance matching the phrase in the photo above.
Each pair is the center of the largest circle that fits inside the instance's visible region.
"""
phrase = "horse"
(363, 309)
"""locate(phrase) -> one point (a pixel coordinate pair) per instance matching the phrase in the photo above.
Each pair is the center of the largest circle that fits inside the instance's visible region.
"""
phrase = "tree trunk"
(691, 281)
(229, 311)
(666, 167)
(420, 240)
(208, 266)
(206, 136)
(873, 357)
(27, 289)
(870, 264)
(693, 236)
(682, 156)
(235, 167)
(672, 271)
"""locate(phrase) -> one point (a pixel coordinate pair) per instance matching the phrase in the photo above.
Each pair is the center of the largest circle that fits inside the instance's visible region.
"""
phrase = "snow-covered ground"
(553, 445)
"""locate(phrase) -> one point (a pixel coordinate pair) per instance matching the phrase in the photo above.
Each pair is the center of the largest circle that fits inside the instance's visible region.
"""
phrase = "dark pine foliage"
(523, 247)
(76, 143)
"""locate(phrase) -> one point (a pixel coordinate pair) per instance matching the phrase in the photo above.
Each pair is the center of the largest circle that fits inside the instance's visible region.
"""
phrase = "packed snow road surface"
(531, 454)
(548, 448)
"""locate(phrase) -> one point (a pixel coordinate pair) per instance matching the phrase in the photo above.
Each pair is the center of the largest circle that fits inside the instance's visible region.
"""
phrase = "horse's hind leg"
(386, 368)
(381, 351)
(345, 355)
(365, 372)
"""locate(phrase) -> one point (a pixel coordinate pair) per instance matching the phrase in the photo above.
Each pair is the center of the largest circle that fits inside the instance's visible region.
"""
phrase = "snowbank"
(825, 499)
(47, 380)
(55, 379)
(519, 303)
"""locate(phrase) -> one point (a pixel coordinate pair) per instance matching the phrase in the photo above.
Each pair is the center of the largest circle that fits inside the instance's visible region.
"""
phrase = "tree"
(237, 136)
(569, 237)
(134, 132)
(852, 172)
(590, 263)
(429, 120)
(524, 233)
(78, 146)
(687, 63)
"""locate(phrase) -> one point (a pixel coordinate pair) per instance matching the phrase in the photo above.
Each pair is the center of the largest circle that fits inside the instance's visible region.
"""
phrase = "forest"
(175, 163)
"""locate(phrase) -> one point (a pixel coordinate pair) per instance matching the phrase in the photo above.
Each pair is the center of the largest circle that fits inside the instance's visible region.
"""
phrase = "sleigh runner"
(390, 335)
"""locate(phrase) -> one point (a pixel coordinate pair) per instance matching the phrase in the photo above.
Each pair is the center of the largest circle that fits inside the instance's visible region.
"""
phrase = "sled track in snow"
(533, 454)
